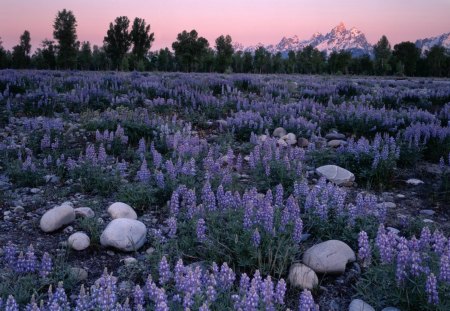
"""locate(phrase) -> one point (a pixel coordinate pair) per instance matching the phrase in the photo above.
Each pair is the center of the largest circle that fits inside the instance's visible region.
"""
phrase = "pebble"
(360, 305)
(414, 181)
(86, 212)
(302, 276)
(78, 274)
(79, 241)
(427, 212)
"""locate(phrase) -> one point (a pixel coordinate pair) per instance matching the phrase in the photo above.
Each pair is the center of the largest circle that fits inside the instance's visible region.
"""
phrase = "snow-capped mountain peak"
(339, 38)
(426, 44)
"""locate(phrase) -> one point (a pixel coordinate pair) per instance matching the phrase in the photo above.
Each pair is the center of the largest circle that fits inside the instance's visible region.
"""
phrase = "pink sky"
(247, 21)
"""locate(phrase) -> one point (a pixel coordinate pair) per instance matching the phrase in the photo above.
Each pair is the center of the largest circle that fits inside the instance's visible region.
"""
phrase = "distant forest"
(126, 46)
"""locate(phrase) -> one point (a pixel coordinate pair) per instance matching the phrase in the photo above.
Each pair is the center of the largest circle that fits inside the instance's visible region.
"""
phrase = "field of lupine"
(135, 191)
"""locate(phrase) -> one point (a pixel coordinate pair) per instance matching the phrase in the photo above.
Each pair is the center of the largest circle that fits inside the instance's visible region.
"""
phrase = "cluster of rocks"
(124, 232)
(327, 258)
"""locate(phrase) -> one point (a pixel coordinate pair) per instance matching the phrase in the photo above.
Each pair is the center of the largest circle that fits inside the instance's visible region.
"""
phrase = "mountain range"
(339, 38)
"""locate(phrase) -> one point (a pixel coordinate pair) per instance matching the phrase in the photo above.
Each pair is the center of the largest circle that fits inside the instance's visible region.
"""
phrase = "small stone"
(78, 274)
(400, 196)
(121, 210)
(359, 305)
(302, 276)
(86, 212)
(68, 229)
(330, 256)
(262, 138)
(290, 139)
(336, 143)
(150, 250)
(57, 217)
(414, 181)
(129, 261)
(335, 136)
(386, 205)
(35, 190)
(336, 174)
(79, 241)
(279, 132)
(427, 212)
(124, 234)
(428, 221)
(302, 142)
(393, 230)
(19, 210)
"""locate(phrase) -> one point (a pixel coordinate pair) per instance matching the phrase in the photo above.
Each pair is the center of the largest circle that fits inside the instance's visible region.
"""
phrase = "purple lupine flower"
(402, 260)
(442, 164)
(46, 265)
(60, 296)
(244, 283)
(160, 180)
(431, 290)
(143, 175)
(439, 242)
(208, 197)
(416, 262)
(425, 238)
(203, 307)
(226, 276)
(211, 293)
(298, 230)
(31, 260)
(201, 230)
(251, 299)
(279, 192)
(164, 271)
(10, 253)
(161, 300)
(444, 268)
(102, 156)
(268, 294)
(138, 296)
(364, 252)
(83, 302)
(142, 148)
(11, 304)
(256, 238)
(21, 263)
(280, 292)
(307, 302)
(172, 224)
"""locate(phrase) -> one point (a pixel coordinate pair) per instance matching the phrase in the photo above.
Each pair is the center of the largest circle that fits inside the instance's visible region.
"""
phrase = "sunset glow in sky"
(247, 21)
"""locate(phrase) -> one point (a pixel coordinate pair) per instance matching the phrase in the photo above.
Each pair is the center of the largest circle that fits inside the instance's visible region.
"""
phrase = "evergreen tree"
(225, 52)
(141, 38)
(64, 31)
(21, 53)
(190, 50)
(247, 62)
(406, 55)
(85, 56)
(165, 60)
(117, 42)
(436, 61)
(382, 52)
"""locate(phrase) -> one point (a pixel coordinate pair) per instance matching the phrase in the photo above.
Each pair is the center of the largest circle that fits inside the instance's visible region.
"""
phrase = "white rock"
(329, 257)
(121, 210)
(84, 212)
(262, 138)
(129, 261)
(336, 174)
(79, 241)
(124, 234)
(302, 276)
(334, 135)
(336, 143)
(290, 139)
(57, 217)
(414, 181)
(279, 132)
(359, 305)
(386, 205)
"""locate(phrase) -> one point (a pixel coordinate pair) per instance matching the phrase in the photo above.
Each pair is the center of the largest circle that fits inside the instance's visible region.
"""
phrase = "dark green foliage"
(93, 179)
(190, 50)
(141, 38)
(406, 55)
(21, 52)
(225, 52)
(383, 54)
(118, 41)
(65, 33)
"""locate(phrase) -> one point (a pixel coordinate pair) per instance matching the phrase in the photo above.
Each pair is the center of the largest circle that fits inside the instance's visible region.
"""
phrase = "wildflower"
(431, 289)
(307, 302)
(201, 230)
(364, 252)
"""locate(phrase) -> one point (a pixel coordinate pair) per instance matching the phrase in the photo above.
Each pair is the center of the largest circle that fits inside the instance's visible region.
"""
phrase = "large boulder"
(79, 241)
(57, 217)
(121, 210)
(329, 257)
(334, 135)
(336, 143)
(302, 276)
(124, 234)
(279, 132)
(336, 174)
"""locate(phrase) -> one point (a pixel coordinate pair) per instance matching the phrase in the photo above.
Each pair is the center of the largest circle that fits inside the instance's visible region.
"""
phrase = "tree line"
(126, 46)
